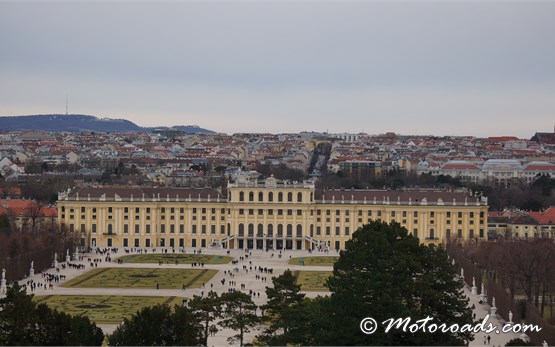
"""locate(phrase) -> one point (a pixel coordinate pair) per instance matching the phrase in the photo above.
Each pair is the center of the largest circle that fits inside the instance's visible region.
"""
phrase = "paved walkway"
(248, 278)
(481, 311)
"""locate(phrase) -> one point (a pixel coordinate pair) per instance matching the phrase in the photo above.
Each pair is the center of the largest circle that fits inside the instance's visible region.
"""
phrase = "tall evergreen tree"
(386, 273)
(159, 326)
(208, 309)
(23, 322)
(284, 312)
(239, 314)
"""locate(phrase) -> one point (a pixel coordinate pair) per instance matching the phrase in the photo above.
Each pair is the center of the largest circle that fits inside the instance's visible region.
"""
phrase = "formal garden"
(104, 309)
(174, 258)
(142, 278)
(314, 261)
(313, 281)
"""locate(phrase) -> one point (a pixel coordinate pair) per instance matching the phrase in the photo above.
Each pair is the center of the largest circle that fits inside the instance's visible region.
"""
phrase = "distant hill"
(79, 123)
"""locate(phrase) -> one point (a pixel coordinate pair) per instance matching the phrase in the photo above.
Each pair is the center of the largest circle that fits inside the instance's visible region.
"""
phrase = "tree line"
(18, 248)
(522, 267)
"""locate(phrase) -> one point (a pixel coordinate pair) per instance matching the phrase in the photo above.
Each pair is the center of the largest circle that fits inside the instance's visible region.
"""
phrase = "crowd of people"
(239, 277)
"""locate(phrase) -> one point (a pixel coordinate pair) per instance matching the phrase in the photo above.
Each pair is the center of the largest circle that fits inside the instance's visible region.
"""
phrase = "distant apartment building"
(267, 214)
(361, 168)
(347, 137)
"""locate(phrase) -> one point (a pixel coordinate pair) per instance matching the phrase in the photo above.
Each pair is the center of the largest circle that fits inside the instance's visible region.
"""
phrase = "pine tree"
(284, 312)
(386, 273)
(159, 326)
(239, 314)
(208, 309)
(23, 322)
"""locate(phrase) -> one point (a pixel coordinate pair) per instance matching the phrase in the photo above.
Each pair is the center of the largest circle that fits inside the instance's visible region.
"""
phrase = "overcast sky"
(451, 68)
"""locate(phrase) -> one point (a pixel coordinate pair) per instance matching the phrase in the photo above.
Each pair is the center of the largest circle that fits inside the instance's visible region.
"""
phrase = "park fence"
(523, 311)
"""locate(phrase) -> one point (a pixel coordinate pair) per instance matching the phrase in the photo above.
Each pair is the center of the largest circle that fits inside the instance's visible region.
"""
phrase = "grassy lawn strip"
(104, 309)
(142, 278)
(314, 261)
(312, 281)
(171, 258)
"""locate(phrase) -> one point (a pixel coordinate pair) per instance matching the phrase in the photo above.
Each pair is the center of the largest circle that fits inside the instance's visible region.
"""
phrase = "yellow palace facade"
(268, 214)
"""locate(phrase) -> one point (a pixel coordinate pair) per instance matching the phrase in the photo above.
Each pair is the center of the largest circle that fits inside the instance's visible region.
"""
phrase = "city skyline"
(465, 68)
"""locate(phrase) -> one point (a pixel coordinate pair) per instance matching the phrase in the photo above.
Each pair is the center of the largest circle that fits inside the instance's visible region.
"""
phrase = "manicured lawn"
(104, 309)
(170, 258)
(114, 277)
(312, 281)
(314, 261)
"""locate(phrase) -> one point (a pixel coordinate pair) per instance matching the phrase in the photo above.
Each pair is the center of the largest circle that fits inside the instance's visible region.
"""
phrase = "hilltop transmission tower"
(66, 105)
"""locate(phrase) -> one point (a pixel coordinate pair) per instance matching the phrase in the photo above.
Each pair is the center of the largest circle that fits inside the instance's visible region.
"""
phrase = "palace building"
(269, 214)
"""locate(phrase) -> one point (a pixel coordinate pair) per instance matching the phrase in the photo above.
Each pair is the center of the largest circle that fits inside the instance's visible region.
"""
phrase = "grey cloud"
(289, 61)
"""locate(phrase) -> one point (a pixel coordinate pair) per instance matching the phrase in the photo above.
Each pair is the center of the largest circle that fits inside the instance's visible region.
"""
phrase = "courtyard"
(115, 290)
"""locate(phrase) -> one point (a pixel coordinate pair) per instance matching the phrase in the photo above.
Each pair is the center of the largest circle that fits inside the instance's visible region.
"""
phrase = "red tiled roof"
(502, 138)
(21, 208)
(546, 217)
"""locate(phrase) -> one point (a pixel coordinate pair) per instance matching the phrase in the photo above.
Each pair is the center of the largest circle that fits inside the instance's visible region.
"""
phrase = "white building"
(499, 171)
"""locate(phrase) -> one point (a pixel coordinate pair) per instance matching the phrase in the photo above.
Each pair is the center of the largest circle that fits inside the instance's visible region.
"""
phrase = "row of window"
(270, 197)
(172, 228)
(393, 214)
(269, 231)
(318, 212)
(147, 210)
